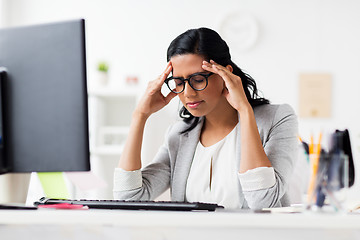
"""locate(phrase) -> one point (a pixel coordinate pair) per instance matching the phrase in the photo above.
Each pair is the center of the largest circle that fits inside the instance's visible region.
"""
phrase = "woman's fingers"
(224, 72)
(153, 100)
(170, 96)
(220, 70)
(215, 68)
(166, 73)
(209, 67)
(168, 69)
(233, 90)
(156, 84)
(220, 67)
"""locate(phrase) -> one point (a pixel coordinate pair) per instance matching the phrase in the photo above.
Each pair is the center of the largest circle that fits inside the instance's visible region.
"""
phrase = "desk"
(149, 225)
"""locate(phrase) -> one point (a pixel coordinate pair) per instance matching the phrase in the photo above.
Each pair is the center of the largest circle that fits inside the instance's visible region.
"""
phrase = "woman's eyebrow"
(204, 72)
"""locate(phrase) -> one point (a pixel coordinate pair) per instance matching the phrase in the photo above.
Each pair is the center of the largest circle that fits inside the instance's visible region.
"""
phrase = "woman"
(232, 147)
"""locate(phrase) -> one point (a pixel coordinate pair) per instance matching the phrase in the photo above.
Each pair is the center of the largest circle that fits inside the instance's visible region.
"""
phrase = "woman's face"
(198, 103)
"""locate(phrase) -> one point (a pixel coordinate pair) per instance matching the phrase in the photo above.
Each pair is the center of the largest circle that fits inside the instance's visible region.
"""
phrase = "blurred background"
(276, 42)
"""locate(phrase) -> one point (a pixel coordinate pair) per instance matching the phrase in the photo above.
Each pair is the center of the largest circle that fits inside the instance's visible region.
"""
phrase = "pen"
(305, 145)
(311, 148)
(318, 149)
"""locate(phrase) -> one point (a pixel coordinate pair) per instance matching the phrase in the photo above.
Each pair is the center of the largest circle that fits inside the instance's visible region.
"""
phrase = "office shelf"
(110, 111)
(108, 92)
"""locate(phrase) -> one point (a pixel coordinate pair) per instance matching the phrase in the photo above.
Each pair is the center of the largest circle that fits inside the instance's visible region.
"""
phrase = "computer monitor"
(44, 105)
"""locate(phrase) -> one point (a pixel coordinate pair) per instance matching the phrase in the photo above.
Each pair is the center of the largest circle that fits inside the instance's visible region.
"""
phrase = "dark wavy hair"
(208, 44)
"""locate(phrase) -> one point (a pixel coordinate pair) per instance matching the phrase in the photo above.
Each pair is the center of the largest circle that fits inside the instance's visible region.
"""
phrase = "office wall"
(2, 13)
(293, 37)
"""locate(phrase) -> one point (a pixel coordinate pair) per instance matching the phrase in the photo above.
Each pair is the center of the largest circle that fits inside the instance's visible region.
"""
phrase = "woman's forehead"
(186, 64)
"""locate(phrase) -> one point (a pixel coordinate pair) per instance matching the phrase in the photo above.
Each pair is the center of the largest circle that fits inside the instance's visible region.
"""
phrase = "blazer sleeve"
(154, 178)
(280, 145)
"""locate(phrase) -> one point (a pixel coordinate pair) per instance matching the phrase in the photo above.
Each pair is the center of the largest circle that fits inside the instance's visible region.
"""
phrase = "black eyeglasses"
(197, 81)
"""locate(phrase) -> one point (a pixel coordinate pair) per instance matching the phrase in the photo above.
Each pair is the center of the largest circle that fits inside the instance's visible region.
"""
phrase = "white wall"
(2, 13)
(294, 37)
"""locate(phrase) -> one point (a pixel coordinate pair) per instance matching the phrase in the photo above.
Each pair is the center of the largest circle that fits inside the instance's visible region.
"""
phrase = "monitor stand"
(14, 187)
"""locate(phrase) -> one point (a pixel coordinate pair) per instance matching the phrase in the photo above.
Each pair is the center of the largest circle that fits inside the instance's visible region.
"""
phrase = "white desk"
(148, 225)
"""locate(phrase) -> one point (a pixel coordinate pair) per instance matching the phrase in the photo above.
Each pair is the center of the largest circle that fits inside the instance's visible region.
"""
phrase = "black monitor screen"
(44, 98)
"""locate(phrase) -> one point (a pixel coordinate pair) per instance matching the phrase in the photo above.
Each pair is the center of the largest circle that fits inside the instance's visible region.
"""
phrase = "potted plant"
(103, 75)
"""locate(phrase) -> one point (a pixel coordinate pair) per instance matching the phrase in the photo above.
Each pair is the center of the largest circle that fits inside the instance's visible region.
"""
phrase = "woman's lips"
(193, 104)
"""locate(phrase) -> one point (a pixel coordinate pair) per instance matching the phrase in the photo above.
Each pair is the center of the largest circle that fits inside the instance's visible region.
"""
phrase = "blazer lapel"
(186, 151)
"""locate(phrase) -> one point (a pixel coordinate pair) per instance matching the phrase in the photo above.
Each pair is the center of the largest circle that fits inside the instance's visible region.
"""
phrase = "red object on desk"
(63, 206)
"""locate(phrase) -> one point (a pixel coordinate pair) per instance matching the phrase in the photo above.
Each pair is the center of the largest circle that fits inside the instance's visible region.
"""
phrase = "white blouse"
(214, 174)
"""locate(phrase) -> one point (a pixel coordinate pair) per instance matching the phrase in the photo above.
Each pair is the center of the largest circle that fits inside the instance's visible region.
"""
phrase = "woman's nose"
(188, 90)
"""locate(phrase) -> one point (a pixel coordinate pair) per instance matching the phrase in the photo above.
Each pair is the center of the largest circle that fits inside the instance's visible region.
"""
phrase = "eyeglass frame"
(206, 75)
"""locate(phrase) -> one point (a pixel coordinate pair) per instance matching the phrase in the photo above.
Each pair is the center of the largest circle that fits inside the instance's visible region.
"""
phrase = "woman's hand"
(233, 91)
(252, 151)
(153, 100)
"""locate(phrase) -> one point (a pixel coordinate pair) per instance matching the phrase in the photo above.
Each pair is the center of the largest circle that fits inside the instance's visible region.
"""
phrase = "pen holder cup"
(329, 182)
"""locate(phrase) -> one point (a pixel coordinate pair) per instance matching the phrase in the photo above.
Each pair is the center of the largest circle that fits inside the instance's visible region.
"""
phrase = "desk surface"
(185, 219)
(109, 224)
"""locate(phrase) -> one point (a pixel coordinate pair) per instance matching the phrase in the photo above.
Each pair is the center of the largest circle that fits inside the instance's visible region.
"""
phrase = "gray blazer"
(278, 128)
